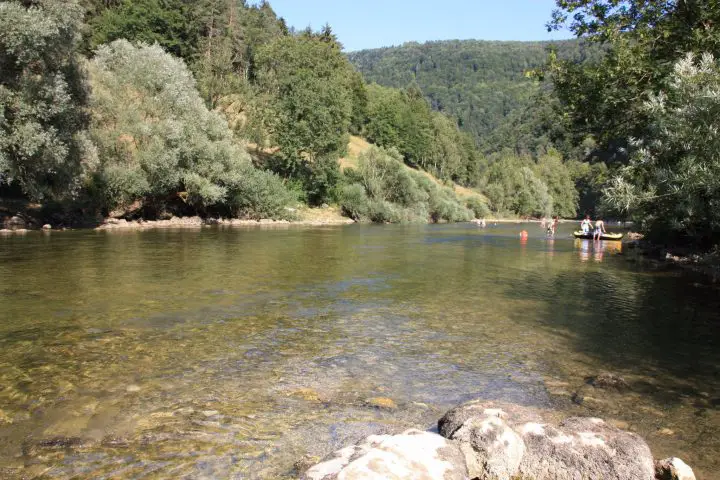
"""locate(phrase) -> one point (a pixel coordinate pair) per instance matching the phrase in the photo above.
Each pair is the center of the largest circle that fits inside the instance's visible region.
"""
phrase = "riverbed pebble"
(381, 402)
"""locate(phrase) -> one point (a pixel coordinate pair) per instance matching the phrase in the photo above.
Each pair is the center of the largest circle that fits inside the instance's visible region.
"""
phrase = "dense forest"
(477, 83)
(148, 108)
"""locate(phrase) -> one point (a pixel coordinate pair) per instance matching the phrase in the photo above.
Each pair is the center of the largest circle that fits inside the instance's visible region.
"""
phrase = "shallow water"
(233, 353)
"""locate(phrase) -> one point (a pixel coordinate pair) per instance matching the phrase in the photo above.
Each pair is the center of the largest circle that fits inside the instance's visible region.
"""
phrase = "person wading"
(599, 229)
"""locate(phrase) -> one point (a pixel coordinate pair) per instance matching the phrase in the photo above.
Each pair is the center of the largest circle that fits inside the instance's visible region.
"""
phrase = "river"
(233, 353)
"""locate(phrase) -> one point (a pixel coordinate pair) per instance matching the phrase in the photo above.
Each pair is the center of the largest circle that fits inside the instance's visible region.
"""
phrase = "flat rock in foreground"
(412, 455)
(495, 441)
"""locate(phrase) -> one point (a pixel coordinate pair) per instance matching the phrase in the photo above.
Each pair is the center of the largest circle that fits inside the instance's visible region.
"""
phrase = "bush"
(159, 143)
(44, 146)
(354, 201)
(384, 190)
(445, 206)
(672, 184)
(512, 186)
(382, 211)
(259, 194)
(321, 180)
(478, 207)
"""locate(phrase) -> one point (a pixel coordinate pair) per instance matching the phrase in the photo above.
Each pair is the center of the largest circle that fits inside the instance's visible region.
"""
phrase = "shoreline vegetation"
(218, 109)
(311, 217)
(221, 110)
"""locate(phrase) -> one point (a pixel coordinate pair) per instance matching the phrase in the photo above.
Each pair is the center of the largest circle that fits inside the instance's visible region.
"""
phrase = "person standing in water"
(585, 225)
(599, 229)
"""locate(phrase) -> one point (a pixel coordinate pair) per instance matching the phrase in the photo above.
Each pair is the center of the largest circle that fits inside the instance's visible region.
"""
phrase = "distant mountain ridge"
(478, 82)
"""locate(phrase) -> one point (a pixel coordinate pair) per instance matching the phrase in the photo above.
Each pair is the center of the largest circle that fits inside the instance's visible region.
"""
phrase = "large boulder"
(501, 442)
(492, 449)
(412, 455)
(585, 448)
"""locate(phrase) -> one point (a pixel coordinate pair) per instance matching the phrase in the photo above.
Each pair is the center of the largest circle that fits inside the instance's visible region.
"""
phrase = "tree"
(170, 23)
(43, 142)
(512, 186)
(643, 39)
(400, 119)
(219, 67)
(308, 80)
(560, 185)
(672, 184)
(161, 146)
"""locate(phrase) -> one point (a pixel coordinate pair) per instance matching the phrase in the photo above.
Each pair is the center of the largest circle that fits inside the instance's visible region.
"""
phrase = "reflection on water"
(232, 353)
(596, 249)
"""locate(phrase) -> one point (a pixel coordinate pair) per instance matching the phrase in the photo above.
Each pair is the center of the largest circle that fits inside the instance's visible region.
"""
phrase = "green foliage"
(643, 39)
(160, 144)
(258, 194)
(166, 22)
(308, 80)
(590, 179)
(321, 180)
(399, 119)
(402, 119)
(43, 142)
(354, 201)
(513, 187)
(476, 83)
(231, 34)
(560, 184)
(672, 184)
(478, 206)
(384, 190)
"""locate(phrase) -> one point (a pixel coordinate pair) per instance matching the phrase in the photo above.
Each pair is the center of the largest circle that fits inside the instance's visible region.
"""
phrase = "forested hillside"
(478, 83)
(144, 109)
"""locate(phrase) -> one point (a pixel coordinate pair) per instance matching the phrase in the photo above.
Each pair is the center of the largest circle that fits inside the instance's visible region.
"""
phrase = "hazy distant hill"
(478, 82)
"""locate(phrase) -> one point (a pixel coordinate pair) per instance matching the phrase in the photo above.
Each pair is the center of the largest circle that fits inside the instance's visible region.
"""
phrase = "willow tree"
(642, 40)
(160, 144)
(672, 184)
(43, 143)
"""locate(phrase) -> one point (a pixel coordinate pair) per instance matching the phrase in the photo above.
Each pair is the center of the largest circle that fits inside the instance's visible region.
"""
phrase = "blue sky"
(376, 23)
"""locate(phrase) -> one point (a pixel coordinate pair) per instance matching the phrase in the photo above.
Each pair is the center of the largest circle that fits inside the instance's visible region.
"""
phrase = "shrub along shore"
(147, 110)
(143, 109)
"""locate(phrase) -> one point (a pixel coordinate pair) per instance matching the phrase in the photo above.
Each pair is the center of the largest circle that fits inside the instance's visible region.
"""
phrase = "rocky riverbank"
(497, 441)
(21, 223)
(197, 222)
(661, 256)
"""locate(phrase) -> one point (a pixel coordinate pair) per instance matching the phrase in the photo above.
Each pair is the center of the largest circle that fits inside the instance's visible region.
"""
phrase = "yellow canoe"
(604, 236)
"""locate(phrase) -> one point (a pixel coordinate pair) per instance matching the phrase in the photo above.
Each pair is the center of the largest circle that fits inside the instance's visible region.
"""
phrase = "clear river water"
(237, 352)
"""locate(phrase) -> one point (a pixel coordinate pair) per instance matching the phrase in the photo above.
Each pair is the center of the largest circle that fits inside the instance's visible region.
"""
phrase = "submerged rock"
(609, 380)
(381, 402)
(16, 222)
(307, 394)
(412, 455)
(673, 469)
